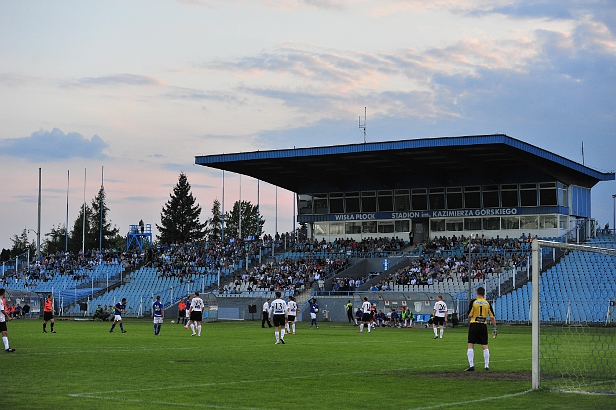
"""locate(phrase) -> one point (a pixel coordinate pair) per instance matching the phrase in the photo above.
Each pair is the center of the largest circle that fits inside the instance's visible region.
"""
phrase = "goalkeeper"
(478, 312)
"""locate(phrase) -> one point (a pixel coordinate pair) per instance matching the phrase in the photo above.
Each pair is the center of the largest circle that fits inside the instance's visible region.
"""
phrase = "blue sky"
(142, 87)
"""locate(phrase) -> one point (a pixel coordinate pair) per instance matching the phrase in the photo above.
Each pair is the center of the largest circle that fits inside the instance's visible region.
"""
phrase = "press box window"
(437, 198)
(352, 228)
(547, 194)
(368, 201)
(437, 225)
(403, 202)
(403, 226)
(336, 203)
(472, 197)
(509, 196)
(336, 228)
(528, 194)
(529, 222)
(548, 221)
(490, 196)
(454, 198)
(510, 222)
(386, 227)
(352, 202)
(454, 224)
(368, 227)
(320, 204)
(304, 204)
(491, 224)
(386, 203)
(321, 228)
(419, 199)
(472, 224)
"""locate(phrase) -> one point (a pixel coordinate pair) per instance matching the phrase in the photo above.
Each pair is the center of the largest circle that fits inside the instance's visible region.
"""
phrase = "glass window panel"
(509, 197)
(368, 227)
(320, 204)
(352, 228)
(472, 224)
(528, 197)
(321, 228)
(336, 203)
(490, 196)
(437, 198)
(547, 194)
(368, 201)
(385, 201)
(454, 224)
(563, 222)
(352, 202)
(403, 203)
(336, 228)
(304, 204)
(403, 226)
(472, 197)
(548, 221)
(437, 225)
(491, 224)
(454, 198)
(419, 200)
(529, 222)
(562, 195)
(510, 222)
(386, 227)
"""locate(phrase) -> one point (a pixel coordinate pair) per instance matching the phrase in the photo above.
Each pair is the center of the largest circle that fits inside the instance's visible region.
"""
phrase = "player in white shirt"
(291, 315)
(196, 314)
(440, 316)
(278, 312)
(366, 317)
(4, 317)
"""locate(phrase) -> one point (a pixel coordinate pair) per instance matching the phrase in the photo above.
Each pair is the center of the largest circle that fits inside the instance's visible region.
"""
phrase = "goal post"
(575, 351)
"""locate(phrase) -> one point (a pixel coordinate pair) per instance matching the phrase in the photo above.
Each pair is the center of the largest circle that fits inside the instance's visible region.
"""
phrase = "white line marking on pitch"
(461, 403)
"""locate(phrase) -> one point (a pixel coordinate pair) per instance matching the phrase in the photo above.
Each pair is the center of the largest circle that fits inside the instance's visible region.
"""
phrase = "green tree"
(97, 221)
(75, 237)
(21, 244)
(179, 219)
(252, 222)
(214, 224)
(55, 240)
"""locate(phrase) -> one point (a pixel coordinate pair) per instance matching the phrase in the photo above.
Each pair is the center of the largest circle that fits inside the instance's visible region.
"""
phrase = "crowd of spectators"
(365, 247)
(479, 244)
(285, 275)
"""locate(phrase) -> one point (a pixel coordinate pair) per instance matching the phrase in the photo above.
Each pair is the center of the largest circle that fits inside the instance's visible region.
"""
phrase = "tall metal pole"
(223, 207)
(536, 376)
(38, 230)
(614, 221)
(258, 206)
(276, 227)
(68, 184)
(294, 217)
(239, 231)
(100, 243)
(470, 265)
(83, 237)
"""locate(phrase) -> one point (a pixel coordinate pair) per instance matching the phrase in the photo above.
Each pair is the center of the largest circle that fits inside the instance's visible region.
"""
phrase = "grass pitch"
(236, 365)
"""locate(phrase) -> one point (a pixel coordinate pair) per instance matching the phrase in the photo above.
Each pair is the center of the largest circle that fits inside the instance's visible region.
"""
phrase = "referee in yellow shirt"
(478, 312)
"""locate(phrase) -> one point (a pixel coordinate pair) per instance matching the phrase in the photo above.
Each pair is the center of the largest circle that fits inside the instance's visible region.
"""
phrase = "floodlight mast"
(364, 124)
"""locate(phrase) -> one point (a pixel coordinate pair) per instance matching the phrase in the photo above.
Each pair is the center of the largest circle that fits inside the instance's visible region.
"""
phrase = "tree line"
(180, 222)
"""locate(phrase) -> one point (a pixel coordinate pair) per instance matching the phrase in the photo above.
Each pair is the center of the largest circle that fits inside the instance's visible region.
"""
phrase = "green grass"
(236, 365)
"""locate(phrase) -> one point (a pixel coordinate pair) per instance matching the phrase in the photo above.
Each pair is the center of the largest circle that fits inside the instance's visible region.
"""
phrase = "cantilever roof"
(390, 164)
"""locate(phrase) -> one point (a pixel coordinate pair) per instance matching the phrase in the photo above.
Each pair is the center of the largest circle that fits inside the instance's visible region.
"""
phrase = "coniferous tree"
(252, 222)
(214, 224)
(55, 240)
(97, 221)
(75, 237)
(179, 219)
(21, 244)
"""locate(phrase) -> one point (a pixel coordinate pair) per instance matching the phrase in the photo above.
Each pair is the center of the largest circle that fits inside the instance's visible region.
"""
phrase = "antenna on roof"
(363, 125)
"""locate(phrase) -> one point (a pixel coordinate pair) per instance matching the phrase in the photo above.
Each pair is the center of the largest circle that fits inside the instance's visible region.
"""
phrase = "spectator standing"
(4, 317)
(266, 308)
(349, 311)
(48, 313)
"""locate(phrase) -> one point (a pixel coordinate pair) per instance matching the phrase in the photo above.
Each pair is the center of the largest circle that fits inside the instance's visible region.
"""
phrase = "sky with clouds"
(141, 87)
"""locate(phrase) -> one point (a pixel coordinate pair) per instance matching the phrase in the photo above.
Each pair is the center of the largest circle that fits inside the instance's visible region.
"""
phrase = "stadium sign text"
(457, 213)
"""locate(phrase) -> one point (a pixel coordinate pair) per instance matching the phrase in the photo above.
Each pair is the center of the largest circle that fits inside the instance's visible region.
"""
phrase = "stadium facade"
(491, 185)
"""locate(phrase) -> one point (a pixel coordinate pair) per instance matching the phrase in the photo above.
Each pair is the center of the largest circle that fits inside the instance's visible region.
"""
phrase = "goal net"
(574, 331)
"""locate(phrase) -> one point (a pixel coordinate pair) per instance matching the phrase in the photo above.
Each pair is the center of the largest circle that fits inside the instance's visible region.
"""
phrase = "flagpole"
(83, 238)
(68, 185)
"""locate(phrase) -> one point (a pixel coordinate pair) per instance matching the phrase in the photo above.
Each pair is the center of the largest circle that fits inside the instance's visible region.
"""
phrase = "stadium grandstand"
(398, 221)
